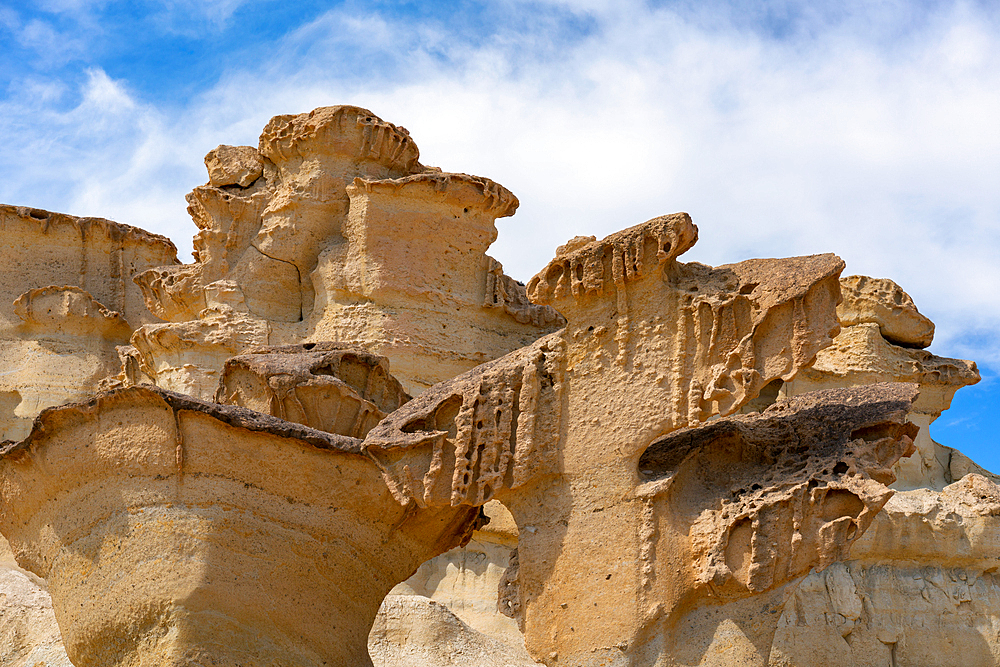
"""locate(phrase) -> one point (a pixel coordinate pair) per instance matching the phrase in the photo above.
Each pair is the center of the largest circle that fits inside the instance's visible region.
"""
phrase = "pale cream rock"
(332, 229)
(65, 345)
(29, 636)
(187, 357)
(415, 250)
(344, 236)
(556, 430)
(412, 631)
(66, 301)
(691, 556)
(466, 579)
(919, 586)
(233, 165)
(177, 532)
(881, 301)
(99, 256)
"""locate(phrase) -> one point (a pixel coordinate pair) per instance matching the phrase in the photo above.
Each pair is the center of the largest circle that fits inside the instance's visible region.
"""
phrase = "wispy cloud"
(866, 130)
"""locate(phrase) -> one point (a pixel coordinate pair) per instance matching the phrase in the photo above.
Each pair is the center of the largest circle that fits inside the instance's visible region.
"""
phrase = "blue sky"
(869, 129)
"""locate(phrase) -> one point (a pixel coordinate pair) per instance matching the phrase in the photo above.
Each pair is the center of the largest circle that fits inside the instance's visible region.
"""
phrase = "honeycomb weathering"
(344, 402)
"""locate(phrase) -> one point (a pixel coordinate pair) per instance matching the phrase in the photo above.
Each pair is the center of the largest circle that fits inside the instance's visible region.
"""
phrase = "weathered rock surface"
(175, 532)
(29, 636)
(881, 301)
(918, 588)
(466, 580)
(66, 302)
(860, 355)
(556, 430)
(345, 391)
(327, 386)
(332, 230)
(624, 529)
(413, 631)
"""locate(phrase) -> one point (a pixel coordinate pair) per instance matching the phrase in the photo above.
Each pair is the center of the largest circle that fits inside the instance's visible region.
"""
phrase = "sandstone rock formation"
(29, 635)
(332, 388)
(322, 385)
(678, 463)
(173, 531)
(333, 230)
(550, 422)
(918, 588)
(881, 301)
(66, 302)
(413, 631)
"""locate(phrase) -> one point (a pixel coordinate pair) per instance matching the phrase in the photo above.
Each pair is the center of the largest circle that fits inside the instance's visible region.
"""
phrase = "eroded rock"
(173, 531)
(66, 302)
(555, 432)
(29, 635)
(234, 165)
(343, 235)
(631, 533)
(326, 386)
(413, 631)
(918, 587)
(881, 301)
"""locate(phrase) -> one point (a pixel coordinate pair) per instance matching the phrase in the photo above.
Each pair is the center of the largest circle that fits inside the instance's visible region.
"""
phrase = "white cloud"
(884, 149)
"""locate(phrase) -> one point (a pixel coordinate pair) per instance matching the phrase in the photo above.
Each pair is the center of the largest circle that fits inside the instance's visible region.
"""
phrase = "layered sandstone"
(664, 451)
(919, 587)
(332, 230)
(174, 532)
(340, 390)
(556, 432)
(67, 301)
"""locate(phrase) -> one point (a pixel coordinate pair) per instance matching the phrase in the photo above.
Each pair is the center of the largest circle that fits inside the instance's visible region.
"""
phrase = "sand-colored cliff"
(344, 436)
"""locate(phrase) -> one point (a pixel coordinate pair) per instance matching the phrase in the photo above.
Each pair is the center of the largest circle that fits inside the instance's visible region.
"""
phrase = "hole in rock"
(840, 503)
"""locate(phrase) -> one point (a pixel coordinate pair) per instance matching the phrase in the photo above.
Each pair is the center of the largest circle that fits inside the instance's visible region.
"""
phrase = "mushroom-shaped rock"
(554, 430)
(177, 532)
(327, 386)
(333, 230)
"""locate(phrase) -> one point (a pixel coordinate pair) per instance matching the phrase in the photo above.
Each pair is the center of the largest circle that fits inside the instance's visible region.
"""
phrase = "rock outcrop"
(385, 451)
(29, 635)
(919, 587)
(881, 301)
(326, 386)
(556, 432)
(67, 301)
(413, 631)
(332, 230)
(174, 532)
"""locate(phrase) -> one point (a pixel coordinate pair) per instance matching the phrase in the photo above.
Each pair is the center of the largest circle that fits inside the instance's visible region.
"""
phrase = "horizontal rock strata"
(172, 532)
